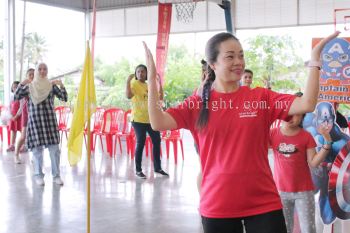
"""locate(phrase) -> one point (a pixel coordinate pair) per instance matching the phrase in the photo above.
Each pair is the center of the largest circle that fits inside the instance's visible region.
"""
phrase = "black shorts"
(271, 222)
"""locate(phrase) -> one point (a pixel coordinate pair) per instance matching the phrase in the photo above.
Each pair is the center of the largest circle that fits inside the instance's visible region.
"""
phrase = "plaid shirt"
(42, 127)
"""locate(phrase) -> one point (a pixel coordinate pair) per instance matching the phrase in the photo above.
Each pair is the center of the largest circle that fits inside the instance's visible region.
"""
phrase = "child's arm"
(314, 159)
(22, 90)
(19, 111)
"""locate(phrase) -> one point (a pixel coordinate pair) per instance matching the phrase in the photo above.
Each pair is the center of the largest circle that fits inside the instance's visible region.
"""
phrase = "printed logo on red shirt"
(248, 114)
(286, 149)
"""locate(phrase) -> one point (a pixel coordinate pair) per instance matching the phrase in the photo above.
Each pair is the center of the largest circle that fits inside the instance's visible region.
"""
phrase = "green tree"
(181, 78)
(35, 48)
(274, 59)
(114, 77)
(182, 75)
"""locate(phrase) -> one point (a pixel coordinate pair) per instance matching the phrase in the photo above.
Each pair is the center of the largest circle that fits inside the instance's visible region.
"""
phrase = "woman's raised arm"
(159, 120)
(308, 101)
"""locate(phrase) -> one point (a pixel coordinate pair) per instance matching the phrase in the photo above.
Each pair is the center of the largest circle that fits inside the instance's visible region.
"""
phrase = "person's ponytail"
(202, 120)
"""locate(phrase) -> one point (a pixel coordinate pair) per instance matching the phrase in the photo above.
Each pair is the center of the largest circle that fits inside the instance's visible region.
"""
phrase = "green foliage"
(114, 77)
(344, 109)
(271, 58)
(35, 48)
(182, 75)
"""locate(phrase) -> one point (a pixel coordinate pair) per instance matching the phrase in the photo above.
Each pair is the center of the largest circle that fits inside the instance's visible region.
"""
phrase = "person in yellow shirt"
(137, 91)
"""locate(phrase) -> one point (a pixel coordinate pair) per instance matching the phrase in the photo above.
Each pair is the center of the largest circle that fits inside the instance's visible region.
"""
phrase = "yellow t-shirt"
(139, 109)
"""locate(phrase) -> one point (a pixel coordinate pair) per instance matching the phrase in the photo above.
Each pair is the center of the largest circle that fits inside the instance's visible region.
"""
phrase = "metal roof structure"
(246, 14)
(116, 18)
(86, 5)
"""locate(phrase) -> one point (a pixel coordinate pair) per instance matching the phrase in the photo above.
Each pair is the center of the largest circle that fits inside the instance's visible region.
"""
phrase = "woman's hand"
(159, 120)
(130, 77)
(308, 101)
(58, 82)
(150, 63)
(26, 81)
(324, 129)
(316, 51)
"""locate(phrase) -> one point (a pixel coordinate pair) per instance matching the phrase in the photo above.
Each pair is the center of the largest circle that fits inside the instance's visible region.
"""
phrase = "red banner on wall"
(164, 23)
(335, 71)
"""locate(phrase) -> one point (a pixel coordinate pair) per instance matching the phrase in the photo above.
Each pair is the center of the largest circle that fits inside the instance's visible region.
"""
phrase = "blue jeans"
(54, 157)
(140, 131)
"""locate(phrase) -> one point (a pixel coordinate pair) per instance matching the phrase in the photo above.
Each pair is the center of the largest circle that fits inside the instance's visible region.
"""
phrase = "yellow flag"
(83, 109)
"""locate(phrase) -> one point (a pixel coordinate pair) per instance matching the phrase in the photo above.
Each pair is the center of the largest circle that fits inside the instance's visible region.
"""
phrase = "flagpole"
(88, 196)
(88, 182)
(84, 107)
(93, 31)
(88, 213)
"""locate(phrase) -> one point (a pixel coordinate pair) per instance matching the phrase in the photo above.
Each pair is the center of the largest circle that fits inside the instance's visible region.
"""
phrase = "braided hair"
(211, 52)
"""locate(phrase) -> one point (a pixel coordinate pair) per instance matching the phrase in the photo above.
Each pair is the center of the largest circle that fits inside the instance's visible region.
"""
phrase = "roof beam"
(86, 5)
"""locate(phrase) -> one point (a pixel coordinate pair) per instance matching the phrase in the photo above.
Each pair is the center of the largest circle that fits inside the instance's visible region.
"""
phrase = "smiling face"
(247, 79)
(230, 63)
(30, 74)
(42, 70)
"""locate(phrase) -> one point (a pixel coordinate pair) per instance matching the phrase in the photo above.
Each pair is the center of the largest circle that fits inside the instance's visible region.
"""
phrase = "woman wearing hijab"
(42, 131)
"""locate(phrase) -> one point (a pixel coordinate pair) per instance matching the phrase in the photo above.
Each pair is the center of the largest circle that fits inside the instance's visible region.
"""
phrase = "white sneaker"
(39, 181)
(58, 180)
(17, 160)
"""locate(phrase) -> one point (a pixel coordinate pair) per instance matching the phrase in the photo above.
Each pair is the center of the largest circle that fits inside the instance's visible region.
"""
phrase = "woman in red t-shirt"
(237, 181)
(294, 151)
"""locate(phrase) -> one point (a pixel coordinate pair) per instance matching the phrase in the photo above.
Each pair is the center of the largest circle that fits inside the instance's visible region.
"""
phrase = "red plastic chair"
(120, 127)
(110, 128)
(62, 113)
(96, 128)
(128, 133)
(173, 136)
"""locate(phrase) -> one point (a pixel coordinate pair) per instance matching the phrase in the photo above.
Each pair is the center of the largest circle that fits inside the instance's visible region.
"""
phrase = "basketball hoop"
(184, 9)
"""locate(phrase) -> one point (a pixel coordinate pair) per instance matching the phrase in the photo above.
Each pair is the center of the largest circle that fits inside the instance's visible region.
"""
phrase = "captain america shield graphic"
(339, 184)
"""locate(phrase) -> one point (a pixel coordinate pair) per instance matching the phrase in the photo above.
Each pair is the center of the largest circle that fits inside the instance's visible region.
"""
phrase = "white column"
(233, 16)
(87, 26)
(9, 49)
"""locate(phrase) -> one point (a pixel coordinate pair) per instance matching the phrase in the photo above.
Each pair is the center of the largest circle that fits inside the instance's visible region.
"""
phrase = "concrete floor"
(120, 202)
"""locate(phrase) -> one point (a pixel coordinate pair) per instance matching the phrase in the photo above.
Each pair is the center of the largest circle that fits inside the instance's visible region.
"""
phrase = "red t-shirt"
(15, 125)
(237, 179)
(291, 170)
